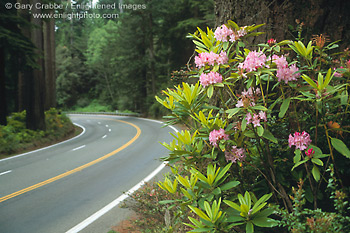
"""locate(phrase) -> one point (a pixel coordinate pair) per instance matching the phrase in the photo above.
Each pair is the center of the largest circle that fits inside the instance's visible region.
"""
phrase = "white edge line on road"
(3, 173)
(80, 147)
(30, 152)
(121, 198)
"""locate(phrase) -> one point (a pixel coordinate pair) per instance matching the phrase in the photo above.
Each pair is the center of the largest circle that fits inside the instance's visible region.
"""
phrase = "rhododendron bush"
(260, 120)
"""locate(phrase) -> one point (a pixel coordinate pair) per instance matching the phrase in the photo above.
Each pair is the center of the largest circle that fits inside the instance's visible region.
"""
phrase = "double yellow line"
(15, 194)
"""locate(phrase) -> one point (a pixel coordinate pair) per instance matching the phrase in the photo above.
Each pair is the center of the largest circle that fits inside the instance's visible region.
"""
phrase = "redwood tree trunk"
(35, 111)
(280, 16)
(49, 52)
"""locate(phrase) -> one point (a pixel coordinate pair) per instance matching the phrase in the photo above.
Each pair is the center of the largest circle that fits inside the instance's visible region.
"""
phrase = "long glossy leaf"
(309, 81)
(249, 228)
(268, 135)
(340, 146)
(264, 222)
(233, 205)
(284, 107)
(316, 173)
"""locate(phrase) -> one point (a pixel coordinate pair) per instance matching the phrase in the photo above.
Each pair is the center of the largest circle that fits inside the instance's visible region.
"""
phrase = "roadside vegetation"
(16, 138)
(267, 144)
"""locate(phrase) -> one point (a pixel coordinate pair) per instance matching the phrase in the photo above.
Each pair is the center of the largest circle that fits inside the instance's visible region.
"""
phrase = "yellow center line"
(78, 168)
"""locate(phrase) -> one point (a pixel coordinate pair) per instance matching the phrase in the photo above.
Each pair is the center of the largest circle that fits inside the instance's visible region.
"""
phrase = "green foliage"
(15, 137)
(94, 106)
(258, 129)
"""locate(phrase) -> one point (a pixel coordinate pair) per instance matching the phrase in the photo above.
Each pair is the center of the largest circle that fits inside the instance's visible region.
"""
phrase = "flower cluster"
(271, 41)
(216, 135)
(253, 61)
(222, 33)
(235, 154)
(299, 140)
(210, 59)
(310, 152)
(256, 118)
(210, 78)
(284, 72)
(248, 98)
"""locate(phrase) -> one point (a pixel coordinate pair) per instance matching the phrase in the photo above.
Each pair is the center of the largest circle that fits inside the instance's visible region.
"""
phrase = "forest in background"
(120, 62)
(123, 62)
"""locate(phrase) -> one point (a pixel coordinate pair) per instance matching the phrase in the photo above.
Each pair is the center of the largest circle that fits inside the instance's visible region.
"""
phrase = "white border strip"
(30, 152)
(121, 198)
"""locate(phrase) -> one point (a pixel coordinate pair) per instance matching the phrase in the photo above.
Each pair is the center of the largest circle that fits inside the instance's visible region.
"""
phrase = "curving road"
(54, 189)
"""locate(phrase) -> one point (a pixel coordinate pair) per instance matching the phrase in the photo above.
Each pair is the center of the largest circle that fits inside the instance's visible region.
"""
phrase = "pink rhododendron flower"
(262, 115)
(222, 32)
(235, 154)
(280, 61)
(248, 117)
(248, 98)
(210, 78)
(271, 41)
(284, 72)
(216, 135)
(336, 74)
(299, 140)
(310, 152)
(211, 59)
(253, 61)
(255, 118)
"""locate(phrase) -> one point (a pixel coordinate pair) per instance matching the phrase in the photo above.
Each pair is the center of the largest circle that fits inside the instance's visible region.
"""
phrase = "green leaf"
(284, 107)
(249, 228)
(200, 213)
(232, 112)
(235, 219)
(340, 147)
(297, 156)
(309, 81)
(265, 222)
(233, 205)
(299, 163)
(210, 91)
(259, 107)
(316, 173)
(229, 185)
(260, 130)
(268, 135)
(244, 123)
(166, 202)
(317, 161)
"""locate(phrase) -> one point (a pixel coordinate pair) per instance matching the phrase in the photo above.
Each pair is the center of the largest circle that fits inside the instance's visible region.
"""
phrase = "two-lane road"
(54, 189)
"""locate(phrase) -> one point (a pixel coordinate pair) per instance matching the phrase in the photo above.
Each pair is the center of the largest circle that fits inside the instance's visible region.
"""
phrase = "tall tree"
(49, 59)
(36, 89)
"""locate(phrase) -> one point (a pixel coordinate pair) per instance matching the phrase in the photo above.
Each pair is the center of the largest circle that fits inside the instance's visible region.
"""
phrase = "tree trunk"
(25, 75)
(3, 108)
(35, 111)
(49, 52)
(281, 17)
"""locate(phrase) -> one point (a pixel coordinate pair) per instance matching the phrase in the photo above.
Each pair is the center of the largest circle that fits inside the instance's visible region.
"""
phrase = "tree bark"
(50, 74)
(281, 16)
(35, 112)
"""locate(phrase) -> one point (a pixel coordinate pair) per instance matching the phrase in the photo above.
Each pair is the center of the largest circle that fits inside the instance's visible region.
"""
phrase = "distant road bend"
(54, 189)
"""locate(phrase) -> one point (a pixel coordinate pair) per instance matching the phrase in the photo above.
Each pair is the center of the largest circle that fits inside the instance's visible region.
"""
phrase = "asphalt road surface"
(54, 189)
